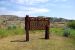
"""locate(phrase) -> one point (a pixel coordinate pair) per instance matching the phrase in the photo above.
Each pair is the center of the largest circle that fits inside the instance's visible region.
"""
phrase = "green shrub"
(14, 26)
(71, 24)
(11, 27)
(66, 32)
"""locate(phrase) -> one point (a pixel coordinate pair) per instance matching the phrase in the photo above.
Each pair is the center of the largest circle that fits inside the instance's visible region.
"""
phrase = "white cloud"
(29, 2)
(38, 10)
(23, 11)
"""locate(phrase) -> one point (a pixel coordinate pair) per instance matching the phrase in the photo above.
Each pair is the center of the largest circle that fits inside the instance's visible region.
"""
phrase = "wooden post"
(27, 27)
(47, 32)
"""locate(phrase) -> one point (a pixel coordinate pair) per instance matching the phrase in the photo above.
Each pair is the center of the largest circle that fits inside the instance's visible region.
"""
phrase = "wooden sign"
(36, 23)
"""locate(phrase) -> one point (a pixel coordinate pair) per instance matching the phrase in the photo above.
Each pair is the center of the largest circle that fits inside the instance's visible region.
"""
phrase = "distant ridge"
(11, 17)
(16, 18)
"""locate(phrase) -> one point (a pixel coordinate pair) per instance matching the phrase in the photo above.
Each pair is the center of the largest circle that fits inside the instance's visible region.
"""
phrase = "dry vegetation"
(37, 42)
(14, 38)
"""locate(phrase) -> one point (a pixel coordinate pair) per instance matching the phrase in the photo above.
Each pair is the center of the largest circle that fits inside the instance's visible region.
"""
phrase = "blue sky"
(51, 8)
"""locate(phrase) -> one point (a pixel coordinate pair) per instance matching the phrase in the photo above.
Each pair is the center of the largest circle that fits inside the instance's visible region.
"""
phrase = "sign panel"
(36, 23)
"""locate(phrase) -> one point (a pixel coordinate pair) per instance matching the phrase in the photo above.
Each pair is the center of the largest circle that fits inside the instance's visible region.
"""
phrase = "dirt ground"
(37, 42)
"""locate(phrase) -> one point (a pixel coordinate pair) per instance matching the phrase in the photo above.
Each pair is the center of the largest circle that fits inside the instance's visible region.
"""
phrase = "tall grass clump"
(10, 31)
(57, 31)
(71, 24)
(3, 33)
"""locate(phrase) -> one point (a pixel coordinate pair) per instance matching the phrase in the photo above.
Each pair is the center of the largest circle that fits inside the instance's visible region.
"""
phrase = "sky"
(50, 8)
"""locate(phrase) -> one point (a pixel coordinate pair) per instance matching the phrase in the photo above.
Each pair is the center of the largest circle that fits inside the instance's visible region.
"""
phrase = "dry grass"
(37, 43)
